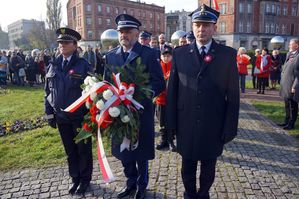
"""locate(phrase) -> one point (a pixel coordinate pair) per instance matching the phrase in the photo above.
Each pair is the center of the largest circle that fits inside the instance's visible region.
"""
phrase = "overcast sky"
(13, 10)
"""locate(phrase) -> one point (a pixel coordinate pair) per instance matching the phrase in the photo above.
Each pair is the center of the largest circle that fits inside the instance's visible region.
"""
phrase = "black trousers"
(79, 156)
(206, 179)
(291, 110)
(261, 83)
(136, 173)
(254, 81)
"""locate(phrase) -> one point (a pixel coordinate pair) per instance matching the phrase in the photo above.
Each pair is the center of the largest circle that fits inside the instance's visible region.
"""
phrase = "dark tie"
(203, 52)
(65, 62)
(126, 55)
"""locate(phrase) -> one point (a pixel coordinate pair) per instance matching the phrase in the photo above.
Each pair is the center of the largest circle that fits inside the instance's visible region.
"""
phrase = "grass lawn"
(41, 147)
(21, 103)
(275, 112)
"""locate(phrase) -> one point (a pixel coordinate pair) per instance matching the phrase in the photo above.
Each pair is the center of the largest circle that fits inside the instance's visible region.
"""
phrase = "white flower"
(86, 80)
(125, 119)
(93, 96)
(98, 117)
(94, 79)
(107, 94)
(83, 92)
(88, 105)
(114, 112)
(87, 88)
(91, 82)
(100, 105)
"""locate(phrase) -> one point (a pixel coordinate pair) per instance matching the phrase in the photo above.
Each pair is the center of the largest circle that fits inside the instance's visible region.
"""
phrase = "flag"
(215, 4)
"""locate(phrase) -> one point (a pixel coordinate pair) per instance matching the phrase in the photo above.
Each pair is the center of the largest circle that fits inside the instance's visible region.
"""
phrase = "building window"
(89, 34)
(139, 13)
(125, 11)
(240, 26)
(249, 8)
(151, 15)
(74, 12)
(108, 9)
(99, 8)
(241, 7)
(158, 16)
(100, 21)
(222, 27)
(132, 12)
(88, 20)
(267, 28)
(88, 8)
(272, 28)
(283, 29)
(222, 8)
(273, 8)
(116, 11)
(152, 26)
(277, 29)
(285, 10)
(248, 27)
(278, 10)
(268, 8)
(144, 27)
(143, 14)
(108, 22)
(294, 10)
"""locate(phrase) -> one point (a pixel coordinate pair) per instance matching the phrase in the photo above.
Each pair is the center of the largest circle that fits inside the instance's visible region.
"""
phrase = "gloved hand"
(227, 138)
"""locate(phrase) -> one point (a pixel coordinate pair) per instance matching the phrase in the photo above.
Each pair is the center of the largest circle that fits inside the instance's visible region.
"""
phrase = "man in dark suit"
(202, 102)
(135, 162)
(288, 85)
(62, 86)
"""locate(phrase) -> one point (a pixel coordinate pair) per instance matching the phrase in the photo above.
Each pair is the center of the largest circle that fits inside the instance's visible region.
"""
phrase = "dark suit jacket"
(288, 76)
(114, 58)
(203, 100)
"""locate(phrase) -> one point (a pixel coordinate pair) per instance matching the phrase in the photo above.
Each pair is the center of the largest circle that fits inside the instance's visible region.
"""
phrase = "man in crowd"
(202, 102)
(62, 87)
(288, 85)
(135, 162)
(145, 38)
(90, 56)
(190, 37)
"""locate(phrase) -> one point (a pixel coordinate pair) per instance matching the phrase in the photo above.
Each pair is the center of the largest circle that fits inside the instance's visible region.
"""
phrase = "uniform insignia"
(62, 31)
(191, 50)
(122, 17)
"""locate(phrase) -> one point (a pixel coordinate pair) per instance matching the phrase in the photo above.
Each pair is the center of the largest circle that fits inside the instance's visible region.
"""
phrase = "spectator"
(16, 62)
(41, 67)
(253, 61)
(100, 62)
(242, 61)
(3, 68)
(263, 63)
(275, 69)
(182, 41)
(90, 56)
(10, 71)
(32, 68)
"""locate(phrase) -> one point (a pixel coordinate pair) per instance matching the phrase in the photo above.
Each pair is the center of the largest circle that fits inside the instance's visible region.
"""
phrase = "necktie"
(65, 62)
(203, 52)
(126, 55)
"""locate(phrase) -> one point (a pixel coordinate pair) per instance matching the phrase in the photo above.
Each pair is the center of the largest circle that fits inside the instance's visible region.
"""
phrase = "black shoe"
(140, 194)
(259, 92)
(73, 189)
(288, 127)
(163, 145)
(282, 124)
(263, 92)
(83, 187)
(190, 195)
(126, 191)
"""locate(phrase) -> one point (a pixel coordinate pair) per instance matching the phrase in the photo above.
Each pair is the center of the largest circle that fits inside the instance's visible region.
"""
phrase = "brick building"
(253, 23)
(92, 17)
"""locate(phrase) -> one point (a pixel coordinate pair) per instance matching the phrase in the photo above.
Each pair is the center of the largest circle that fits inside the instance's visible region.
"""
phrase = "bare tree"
(53, 14)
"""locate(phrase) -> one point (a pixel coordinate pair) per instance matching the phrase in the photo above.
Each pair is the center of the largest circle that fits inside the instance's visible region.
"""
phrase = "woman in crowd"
(263, 64)
(275, 68)
(242, 60)
(31, 67)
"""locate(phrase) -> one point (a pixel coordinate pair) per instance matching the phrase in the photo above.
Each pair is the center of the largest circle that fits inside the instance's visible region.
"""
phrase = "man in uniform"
(190, 37)
(63, 79)
(288, 85)
(135, 162)
(145, 38)
(202, 102)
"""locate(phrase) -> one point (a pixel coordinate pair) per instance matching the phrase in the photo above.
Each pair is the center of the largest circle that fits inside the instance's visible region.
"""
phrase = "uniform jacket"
(265, 71)
(161, 99)
(62, 88)
(242, 61)
(288, 77)
(114, 58)
(203, 100)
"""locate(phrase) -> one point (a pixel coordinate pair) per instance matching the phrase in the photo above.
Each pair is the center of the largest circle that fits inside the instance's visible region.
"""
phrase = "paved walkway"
(262, 162)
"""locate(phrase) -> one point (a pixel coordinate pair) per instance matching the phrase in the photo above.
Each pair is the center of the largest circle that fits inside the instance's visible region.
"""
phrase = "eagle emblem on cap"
(122, 17)
(62, 30)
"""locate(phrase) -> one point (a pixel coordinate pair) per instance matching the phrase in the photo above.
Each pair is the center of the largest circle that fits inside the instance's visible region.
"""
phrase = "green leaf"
(82, 135)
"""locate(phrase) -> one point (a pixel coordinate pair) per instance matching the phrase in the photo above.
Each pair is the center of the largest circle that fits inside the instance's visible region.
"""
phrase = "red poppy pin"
(208, 58)
(71, 72)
